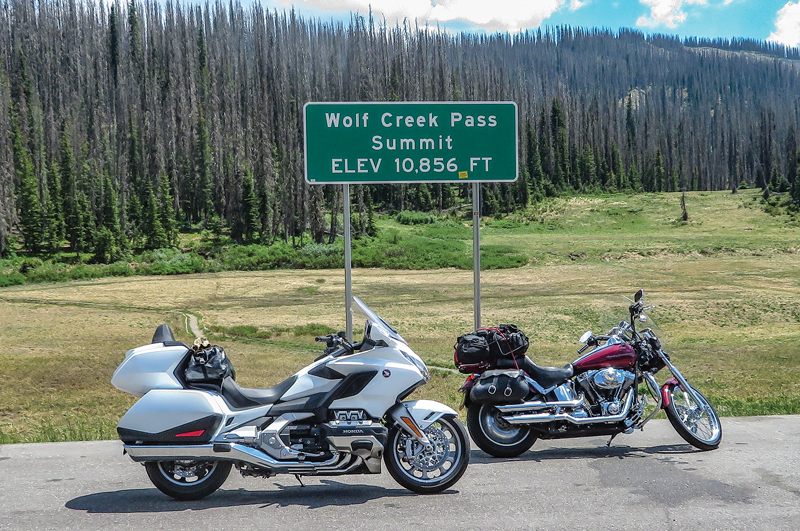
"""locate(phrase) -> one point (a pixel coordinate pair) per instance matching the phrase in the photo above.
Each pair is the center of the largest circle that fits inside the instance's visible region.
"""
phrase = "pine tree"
(83, 237)
(372, 230)
(55, 227)
(167, 209)
(110, 243)
(250, 212)
(618, 169)
(558, 130)
(80, 239)
(73, 209)
(29, 204)
(796, 183)
(589, 169)
(522, 188)
(136, 189)
(203, 204)
(153, 230)
(659, 174)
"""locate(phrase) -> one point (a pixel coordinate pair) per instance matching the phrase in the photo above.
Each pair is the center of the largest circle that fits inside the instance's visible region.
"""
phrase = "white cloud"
(577, 4)
(494, 15)
(787, 27)
(667, 12)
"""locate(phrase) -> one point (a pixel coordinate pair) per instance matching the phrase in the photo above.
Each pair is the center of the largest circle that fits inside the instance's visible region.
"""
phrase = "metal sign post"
(412, 143)
(348, 280)
(476, 251)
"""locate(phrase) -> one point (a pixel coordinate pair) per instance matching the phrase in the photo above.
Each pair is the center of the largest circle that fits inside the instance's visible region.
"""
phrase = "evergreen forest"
(125, 124)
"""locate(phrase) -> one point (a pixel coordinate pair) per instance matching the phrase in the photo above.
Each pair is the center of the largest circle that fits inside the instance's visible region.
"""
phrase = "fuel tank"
(618, 356)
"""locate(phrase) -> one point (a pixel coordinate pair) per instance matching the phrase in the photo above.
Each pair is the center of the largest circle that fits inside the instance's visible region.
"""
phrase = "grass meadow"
(726, 285)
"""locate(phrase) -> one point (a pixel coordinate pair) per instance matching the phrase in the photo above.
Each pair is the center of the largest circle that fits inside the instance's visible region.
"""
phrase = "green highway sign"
(410, 142)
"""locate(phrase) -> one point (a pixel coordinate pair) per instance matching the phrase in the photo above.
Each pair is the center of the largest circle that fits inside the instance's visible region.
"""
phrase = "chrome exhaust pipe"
(233, 452)
(538, 404)
(540, 418)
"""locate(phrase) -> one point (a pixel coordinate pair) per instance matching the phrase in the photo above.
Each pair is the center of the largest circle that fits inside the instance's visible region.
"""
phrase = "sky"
(765, 20)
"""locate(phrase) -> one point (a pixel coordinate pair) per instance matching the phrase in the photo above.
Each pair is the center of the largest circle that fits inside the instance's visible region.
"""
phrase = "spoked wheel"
(698, 424)
(188, 480)
(494, 435)
(432, 469)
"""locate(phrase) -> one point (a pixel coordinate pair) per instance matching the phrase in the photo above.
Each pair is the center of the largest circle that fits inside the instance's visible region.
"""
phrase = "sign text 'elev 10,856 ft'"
(410, 142)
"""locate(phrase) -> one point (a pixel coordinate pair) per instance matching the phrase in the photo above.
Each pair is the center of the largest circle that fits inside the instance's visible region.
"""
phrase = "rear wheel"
(698, 424)
(494, 435)
(188, 480)
(432, 469)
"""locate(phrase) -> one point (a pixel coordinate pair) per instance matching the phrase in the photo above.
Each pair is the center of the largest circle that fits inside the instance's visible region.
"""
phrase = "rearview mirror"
(638, 296)
(586, 336)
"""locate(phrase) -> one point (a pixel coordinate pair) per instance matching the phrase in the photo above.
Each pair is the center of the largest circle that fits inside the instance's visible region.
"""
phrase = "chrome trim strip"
(537, 404)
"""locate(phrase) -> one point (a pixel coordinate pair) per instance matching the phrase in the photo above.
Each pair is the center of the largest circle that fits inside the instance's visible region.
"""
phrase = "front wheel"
(698, 424)
(494, 435)
(188, 480)
(433, 469)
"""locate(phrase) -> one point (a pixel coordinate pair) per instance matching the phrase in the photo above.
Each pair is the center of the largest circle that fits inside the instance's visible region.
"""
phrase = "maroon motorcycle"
(511, 401)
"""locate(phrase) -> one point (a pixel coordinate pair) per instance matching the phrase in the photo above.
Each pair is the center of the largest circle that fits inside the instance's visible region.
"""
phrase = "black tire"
(494, 435)
(431, 471)
(702, 429)
(188, 480)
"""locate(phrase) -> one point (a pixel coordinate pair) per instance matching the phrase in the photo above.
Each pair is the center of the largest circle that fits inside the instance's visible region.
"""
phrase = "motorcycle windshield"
(378, 321)
(653, 326)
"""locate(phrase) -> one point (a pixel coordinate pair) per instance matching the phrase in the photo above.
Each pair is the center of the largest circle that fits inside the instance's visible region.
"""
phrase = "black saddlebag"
(208, 364)
(499, 386)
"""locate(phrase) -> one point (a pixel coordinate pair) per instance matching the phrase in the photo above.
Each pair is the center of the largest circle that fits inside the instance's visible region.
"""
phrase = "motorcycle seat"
(239, 397)
(545, 376)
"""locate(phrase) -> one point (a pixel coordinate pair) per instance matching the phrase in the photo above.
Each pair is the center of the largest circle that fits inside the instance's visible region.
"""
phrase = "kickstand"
(300, 480)
(611, 439)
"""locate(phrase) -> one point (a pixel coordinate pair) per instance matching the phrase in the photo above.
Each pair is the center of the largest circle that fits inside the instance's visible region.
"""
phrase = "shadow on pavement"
(589, 452)
(326, 494)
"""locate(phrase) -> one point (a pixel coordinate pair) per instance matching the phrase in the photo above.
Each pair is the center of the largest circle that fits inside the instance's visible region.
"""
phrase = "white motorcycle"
(340, 415)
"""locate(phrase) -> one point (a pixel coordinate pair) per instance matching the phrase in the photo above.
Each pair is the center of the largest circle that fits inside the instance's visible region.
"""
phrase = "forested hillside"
(120, 124)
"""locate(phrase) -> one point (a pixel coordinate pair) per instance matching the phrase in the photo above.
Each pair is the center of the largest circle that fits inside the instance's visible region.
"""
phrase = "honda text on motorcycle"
(511, 401)
(343, 414)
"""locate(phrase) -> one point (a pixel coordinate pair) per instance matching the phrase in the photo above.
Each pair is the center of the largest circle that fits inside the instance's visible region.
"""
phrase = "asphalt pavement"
(646, 480)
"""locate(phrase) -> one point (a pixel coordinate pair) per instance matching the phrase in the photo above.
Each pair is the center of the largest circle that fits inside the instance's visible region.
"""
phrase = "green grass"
(726, 285)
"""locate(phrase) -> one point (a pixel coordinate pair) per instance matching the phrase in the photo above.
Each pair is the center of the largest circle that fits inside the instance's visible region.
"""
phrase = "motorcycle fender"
(665, 391)
(415, 416)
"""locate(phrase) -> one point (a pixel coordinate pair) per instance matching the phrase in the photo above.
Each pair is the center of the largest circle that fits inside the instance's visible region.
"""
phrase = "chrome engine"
(606, 388)
(606, 397)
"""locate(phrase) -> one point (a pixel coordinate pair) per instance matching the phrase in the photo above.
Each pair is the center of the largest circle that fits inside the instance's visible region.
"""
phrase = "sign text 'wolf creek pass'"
(410, 142)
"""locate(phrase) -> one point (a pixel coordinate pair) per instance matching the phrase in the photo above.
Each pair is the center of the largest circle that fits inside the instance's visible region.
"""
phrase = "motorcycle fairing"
(395, 374)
